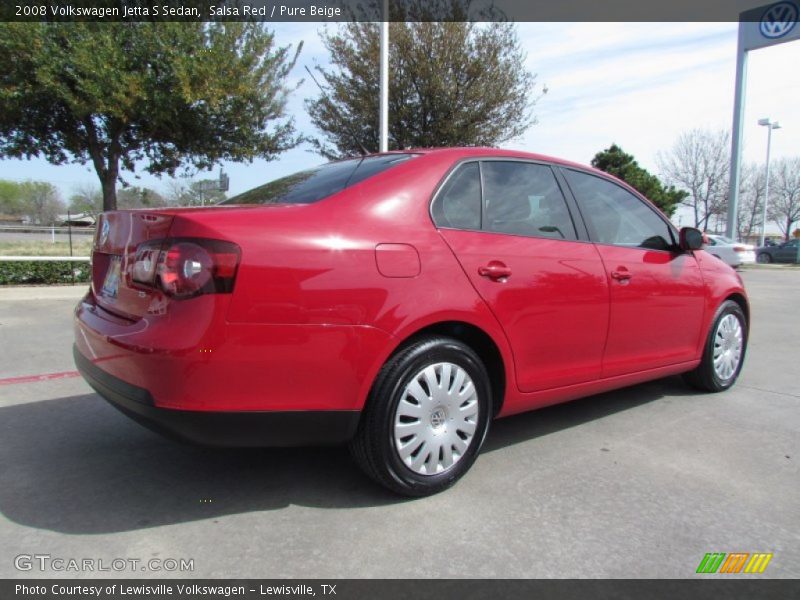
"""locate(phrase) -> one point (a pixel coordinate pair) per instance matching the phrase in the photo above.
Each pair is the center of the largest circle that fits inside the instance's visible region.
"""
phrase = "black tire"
(705, 377)
(373, 446)
(764, 258)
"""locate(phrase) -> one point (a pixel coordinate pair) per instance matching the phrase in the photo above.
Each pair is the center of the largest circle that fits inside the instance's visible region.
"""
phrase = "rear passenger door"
(657, 292)
(511, 228)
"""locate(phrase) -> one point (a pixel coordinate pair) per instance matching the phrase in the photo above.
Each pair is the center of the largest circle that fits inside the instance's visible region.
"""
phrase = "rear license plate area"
(111, 283)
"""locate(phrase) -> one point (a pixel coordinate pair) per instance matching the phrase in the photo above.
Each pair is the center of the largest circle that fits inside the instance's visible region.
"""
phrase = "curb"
(43, 292)
(768, 266)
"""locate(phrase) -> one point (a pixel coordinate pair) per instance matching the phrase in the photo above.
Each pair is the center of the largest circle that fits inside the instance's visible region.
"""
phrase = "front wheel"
(426, 417)
(764, 258)
(724, 351)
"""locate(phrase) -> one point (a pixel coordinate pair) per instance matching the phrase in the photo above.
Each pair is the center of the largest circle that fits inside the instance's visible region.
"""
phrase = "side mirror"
(691, 238)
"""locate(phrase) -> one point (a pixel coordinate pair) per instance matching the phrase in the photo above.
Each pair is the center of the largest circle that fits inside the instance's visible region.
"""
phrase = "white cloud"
(641, 84)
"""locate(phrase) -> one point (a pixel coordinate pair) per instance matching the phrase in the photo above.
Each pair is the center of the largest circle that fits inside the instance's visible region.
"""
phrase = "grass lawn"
(81, 246)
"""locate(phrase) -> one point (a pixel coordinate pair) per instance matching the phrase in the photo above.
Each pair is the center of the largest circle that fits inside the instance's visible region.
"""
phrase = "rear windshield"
(320, 182)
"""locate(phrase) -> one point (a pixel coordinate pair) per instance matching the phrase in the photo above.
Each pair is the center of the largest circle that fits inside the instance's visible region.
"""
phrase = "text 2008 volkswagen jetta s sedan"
(400, 302)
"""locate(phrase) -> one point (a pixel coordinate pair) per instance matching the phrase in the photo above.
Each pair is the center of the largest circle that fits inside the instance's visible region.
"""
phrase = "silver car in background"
(729, 251)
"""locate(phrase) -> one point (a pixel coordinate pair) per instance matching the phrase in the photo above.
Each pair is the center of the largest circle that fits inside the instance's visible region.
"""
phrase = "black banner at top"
(332, 11)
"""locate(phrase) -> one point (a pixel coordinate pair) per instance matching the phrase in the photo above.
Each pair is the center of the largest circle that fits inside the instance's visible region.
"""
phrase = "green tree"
(140, 197)
(41, 202)
(194, 193)
(10, 198)
(450, 84)
(615, 161)
(168, 94)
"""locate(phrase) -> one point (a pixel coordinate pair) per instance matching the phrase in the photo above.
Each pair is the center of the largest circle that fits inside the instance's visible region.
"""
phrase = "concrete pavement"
(636, 483)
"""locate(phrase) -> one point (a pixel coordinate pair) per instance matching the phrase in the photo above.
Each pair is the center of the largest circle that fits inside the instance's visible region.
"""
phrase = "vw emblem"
(104, 228)
(778, 20)
(438, 418)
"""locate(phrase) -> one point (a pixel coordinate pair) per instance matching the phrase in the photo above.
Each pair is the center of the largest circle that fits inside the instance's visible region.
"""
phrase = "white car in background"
(729, 251)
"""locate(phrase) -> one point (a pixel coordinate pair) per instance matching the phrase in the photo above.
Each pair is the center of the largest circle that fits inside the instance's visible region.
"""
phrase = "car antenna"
(364, 151)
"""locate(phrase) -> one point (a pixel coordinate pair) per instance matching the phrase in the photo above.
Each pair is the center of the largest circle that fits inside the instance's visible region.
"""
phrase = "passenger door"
(657, 291)
(510, 227)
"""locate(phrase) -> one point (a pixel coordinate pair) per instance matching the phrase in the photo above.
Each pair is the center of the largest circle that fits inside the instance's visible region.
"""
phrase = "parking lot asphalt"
(641, 482)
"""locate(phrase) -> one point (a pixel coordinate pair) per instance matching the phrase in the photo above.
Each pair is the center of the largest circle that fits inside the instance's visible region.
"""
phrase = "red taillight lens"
(739, 249)
(187, 267)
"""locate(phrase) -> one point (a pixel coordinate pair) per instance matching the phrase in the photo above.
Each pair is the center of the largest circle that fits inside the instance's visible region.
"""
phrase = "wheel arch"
(484, 345)
(743, 304)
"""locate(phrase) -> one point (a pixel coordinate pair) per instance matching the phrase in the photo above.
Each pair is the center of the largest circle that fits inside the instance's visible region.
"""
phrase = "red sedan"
(400, 302)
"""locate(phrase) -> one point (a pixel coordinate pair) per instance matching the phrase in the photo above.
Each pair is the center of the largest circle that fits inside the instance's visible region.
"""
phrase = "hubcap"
(728, 343)
(436, 419)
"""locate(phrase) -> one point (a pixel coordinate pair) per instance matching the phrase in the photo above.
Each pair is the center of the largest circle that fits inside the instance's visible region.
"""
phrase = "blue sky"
(636, 84)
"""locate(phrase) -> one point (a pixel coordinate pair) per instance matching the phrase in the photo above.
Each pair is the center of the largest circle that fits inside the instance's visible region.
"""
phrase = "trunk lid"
(118, 235)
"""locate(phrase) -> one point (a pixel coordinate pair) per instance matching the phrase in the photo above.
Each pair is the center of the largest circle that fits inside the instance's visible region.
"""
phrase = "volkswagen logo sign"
(778, 20)
(104, 228)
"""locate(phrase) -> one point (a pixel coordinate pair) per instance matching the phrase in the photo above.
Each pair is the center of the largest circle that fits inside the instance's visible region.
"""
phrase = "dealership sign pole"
(758, 28)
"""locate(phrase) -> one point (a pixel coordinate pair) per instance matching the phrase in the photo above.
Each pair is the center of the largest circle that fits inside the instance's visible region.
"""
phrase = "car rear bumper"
(214, 428)
(192, 359)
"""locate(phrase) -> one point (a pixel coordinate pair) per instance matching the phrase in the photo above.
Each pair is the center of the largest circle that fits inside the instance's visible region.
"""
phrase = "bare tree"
(784, 197)
(86, 198)
(751, 200)
(192, 192)
(699, 162)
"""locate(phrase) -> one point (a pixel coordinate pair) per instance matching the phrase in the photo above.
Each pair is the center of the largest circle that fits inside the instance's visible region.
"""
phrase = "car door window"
(615, 216)
(524, 199)
(458, 203)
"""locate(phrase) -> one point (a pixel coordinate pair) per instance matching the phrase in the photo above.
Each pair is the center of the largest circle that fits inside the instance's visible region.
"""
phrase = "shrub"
(36, 272)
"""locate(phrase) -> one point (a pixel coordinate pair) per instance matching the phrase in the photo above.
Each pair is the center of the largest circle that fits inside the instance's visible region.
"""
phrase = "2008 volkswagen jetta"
(400, 302)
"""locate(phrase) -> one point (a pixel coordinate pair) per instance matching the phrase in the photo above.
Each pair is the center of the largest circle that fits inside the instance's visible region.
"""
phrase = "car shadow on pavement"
(75, 465)
(537, 423)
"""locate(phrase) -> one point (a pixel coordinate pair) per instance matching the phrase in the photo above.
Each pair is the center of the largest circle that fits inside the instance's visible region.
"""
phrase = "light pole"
(384, 77)
(770, 125)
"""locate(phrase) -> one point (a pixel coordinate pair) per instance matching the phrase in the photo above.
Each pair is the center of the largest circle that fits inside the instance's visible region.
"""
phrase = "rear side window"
(320, 182)
(617, 217)
(458, 204)
(524, 199)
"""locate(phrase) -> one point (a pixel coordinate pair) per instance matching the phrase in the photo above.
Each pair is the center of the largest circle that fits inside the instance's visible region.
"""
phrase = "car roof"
(489, 152)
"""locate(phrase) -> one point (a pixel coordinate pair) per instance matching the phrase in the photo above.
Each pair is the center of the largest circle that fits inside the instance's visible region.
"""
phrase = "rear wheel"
(724, 351)
(764, 258)
(426, 417)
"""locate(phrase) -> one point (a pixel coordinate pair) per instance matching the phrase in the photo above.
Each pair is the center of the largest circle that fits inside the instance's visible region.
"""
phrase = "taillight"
(187, 267)
(739, 249)
(146, 262)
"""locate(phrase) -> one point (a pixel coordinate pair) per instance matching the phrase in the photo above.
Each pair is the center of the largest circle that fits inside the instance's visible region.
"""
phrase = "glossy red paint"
(556, 293)
(660, 293)
(326, 292)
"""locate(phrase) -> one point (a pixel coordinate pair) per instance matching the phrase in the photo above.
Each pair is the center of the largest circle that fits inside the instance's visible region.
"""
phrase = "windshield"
(320, 182)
